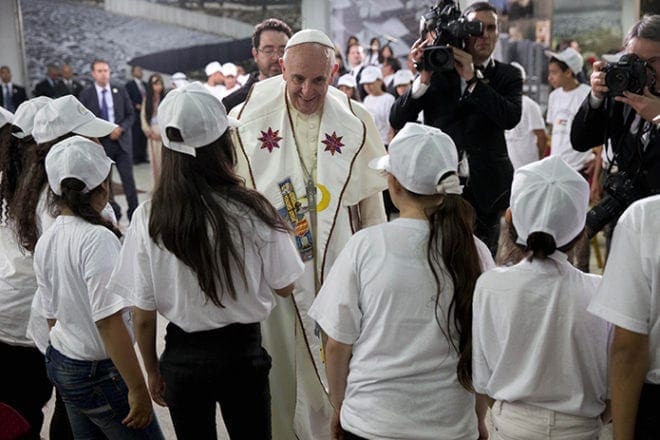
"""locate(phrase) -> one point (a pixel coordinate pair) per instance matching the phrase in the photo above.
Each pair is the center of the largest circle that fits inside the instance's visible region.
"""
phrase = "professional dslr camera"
(450, 29)
(628, 74)
(621, 191)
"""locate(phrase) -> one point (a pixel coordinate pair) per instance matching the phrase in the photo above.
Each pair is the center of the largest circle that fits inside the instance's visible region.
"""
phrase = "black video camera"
(450, 29)
(620, 192)
(628, 74)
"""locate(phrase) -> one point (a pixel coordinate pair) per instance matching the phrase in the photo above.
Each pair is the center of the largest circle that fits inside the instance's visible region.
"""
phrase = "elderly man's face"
(307, 69)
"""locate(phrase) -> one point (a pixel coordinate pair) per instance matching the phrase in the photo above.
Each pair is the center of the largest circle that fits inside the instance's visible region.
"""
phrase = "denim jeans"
(226, 366)
(519, 421)
(96, 398)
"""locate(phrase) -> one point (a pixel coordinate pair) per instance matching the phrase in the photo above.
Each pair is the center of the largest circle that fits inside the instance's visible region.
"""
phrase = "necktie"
(104, 105)
(7, 98)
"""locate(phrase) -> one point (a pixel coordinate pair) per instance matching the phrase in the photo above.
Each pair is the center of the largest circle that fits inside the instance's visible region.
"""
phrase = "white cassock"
(330, 173)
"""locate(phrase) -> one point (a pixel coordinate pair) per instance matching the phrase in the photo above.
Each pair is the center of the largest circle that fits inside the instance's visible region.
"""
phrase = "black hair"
(190, 216)
(540, 244)
(478, 7)
(79, 202)
(451, 251)
(270, 24)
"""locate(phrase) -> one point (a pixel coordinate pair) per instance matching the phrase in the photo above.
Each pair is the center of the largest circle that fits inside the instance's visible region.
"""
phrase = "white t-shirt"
(73, 261)
(562, 108)
(153, 278)
(17, 281)
(629, 296)
(379, 108)
(534, 342)
(521, 140)
(380, 298)
(217, 91)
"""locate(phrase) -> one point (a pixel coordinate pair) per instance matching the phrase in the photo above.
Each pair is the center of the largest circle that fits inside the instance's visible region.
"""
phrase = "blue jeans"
(96, 398)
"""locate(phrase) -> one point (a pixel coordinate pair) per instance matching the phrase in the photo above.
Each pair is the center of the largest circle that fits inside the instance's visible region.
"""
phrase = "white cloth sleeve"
(336, 308)
(131, 277)
(280, 259)
(485, 256)
(418, 88)
(99, 257)
(624, 294)
(480, 371)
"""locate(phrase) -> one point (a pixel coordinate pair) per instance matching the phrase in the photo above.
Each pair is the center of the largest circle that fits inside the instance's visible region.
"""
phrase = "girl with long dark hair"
(537, 352)
(149, 121)
(207, 254)
(397, 304)
(90, 358)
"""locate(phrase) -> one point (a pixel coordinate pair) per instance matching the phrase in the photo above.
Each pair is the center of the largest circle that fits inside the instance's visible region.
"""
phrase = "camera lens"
(617, 80)
(439, 59)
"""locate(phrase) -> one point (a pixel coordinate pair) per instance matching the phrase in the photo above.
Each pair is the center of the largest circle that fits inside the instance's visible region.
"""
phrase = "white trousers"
(518, 421)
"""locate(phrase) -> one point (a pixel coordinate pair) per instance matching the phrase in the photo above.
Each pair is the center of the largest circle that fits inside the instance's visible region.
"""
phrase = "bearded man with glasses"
(268, 41)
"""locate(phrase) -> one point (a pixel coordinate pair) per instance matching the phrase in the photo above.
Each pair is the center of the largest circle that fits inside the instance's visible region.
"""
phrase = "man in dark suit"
(268, 41)
(50, 86)
(137, 89)
(70, 86)
(11, 95)
(473, 103)
(111, 102)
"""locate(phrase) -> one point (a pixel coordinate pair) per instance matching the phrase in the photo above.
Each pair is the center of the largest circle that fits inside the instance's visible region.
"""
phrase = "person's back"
(539, 344)
(522, 140)
(395, 307)
(536, 352)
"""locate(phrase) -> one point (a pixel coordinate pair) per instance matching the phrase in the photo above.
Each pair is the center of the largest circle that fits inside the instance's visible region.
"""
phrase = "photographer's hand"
(464, 64)
(646, 105)
(416, 52)
(597, 80)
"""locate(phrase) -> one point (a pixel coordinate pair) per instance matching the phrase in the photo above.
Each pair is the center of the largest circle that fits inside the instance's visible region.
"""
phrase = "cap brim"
(97, 128)
(612, 58)
(381, 163)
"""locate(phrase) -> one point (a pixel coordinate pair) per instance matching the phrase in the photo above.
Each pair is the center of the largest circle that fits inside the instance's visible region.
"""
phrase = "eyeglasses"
(270, 51)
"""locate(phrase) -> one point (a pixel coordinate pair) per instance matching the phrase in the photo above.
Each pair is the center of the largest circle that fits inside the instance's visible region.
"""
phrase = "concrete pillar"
(316, 14)
(12, 49)
(630, 12)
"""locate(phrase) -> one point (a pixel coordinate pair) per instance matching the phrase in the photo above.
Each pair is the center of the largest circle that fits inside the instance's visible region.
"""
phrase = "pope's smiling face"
(307, 69)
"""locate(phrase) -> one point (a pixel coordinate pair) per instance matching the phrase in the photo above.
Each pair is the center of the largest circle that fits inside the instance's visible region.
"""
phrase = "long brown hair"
(80, 203)
(149, 96)
(11, 164)
(190, 216)
(451, 251)
(31, 184)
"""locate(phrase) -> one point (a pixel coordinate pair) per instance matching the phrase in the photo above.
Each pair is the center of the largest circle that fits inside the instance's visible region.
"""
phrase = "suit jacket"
(75, 89)
(123, 113)
(476, 122)
(612, 120)
(44, 88)
(233, 99)
(18, 95)
(134, 93)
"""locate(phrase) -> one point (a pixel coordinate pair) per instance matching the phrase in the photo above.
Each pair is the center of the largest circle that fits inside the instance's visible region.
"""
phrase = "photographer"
(623, 108)
(474, 103)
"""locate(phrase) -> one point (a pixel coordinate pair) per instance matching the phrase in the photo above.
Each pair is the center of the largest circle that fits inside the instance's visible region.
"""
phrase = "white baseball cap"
(212, 68)
(67, 115)
(347, 80)
(179, 79)
(229, 69)
(309, 36)
(370, 74)
(80, 158)
(25, 113)
(571, 57)
(419, 155)
(549, 196)
(6, 117)
(402, 77)
(613, 57)
(200, 117)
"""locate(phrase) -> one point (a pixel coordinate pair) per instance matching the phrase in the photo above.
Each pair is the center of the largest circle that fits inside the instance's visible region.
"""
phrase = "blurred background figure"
(137, 90)
(149, 121)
